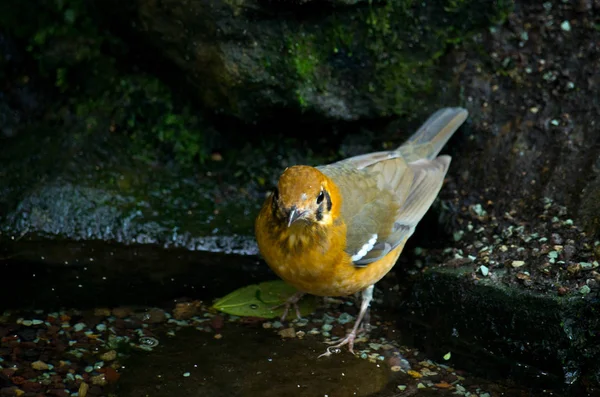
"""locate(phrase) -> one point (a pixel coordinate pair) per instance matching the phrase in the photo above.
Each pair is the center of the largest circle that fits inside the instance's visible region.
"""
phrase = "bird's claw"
(291, 301)
(348, 340)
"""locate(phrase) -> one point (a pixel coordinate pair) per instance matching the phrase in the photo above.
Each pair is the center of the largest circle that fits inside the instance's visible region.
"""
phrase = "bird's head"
(305, 196)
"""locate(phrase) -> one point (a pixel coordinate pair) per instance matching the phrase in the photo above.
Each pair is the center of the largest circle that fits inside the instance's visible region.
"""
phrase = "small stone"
(516, 264)
(218, 336)
(98, 380)
(31, 387)
(414, 374)
(59, 393)
(556, 239)
(277, 324)
(345, 318)
(566, 26)
(562, 291)
(568, 251)
(79, 327)
(217, 322)
(186, 310)
(109, 355)
(39, 366)
(155, 316)
(287, 333)
(83, 389)
(484, 270)
(102, 312)
(443, 385)
(122, 312)
(584, 290)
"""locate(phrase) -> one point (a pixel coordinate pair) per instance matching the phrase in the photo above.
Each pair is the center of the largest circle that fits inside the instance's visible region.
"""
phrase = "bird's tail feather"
(431, 137)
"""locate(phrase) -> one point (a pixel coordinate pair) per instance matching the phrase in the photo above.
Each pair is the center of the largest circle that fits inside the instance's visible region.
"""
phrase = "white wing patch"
(365, 249)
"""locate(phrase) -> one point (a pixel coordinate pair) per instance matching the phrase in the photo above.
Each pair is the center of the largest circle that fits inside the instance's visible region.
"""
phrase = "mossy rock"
(253, 58)
(496, 330)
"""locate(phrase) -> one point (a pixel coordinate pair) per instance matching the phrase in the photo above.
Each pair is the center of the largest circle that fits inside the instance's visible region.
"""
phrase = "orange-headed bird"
(337, 229)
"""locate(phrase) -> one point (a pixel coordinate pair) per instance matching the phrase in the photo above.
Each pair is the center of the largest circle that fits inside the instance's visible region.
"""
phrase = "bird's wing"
(425, 143)
(383, 203)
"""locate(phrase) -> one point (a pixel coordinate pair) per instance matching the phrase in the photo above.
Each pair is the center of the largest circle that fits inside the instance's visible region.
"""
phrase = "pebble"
(102, 312)
(39, 366)
(122, 312)
(108, 356)
(516, 264)
(327, 327)
(155, 316)
(287, 333)
(83, 389)
(98, 380)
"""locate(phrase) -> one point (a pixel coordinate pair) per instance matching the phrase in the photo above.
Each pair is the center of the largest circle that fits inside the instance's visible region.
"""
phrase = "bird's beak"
(295, 214)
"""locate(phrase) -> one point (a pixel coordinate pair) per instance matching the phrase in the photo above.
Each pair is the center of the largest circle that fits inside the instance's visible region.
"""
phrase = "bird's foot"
(291, 301)
(348, 340)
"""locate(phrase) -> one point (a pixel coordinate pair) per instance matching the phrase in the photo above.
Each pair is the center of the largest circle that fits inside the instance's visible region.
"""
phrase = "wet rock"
(339, 63)
(498, 323)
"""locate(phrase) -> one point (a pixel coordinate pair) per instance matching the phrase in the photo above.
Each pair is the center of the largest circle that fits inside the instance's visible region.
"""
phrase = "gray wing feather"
(426, 184)
(403, 183)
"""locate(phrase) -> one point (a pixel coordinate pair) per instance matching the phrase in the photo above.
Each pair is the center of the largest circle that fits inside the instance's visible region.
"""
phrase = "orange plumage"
(337, 229)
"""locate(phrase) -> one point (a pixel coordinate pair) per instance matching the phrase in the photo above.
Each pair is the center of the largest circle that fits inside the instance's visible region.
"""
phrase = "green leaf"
(257, 300)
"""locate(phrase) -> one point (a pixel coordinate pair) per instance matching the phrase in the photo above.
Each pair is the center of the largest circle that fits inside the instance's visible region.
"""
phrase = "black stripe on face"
(328, 200)
(321, 208)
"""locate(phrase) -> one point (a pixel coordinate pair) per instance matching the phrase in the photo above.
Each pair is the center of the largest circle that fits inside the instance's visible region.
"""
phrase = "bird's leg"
(367, 297)
(291, 301)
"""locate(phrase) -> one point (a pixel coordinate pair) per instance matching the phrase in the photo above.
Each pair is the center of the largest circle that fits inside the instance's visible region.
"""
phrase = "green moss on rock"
(368, 60)
(93, 90)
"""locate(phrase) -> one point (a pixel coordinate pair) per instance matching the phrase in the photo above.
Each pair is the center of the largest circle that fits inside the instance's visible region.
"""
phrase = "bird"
(337, 229)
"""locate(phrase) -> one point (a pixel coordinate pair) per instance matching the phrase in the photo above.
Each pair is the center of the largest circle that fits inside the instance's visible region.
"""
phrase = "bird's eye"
(320, 197)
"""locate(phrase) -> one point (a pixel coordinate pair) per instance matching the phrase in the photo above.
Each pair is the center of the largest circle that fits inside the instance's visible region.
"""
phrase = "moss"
(93, 91)
(380, 58)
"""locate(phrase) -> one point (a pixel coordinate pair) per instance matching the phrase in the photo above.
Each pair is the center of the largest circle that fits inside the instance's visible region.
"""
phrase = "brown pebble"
(562, 291)
(154, 316)
(111, 375)
(31, 387)
(217, 322)
(122, 312)
(59, 393)
(287, 333)
(185, 310)
(102, 312)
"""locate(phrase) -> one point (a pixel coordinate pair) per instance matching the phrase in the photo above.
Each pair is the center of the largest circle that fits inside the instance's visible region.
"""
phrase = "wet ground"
(191, 350)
